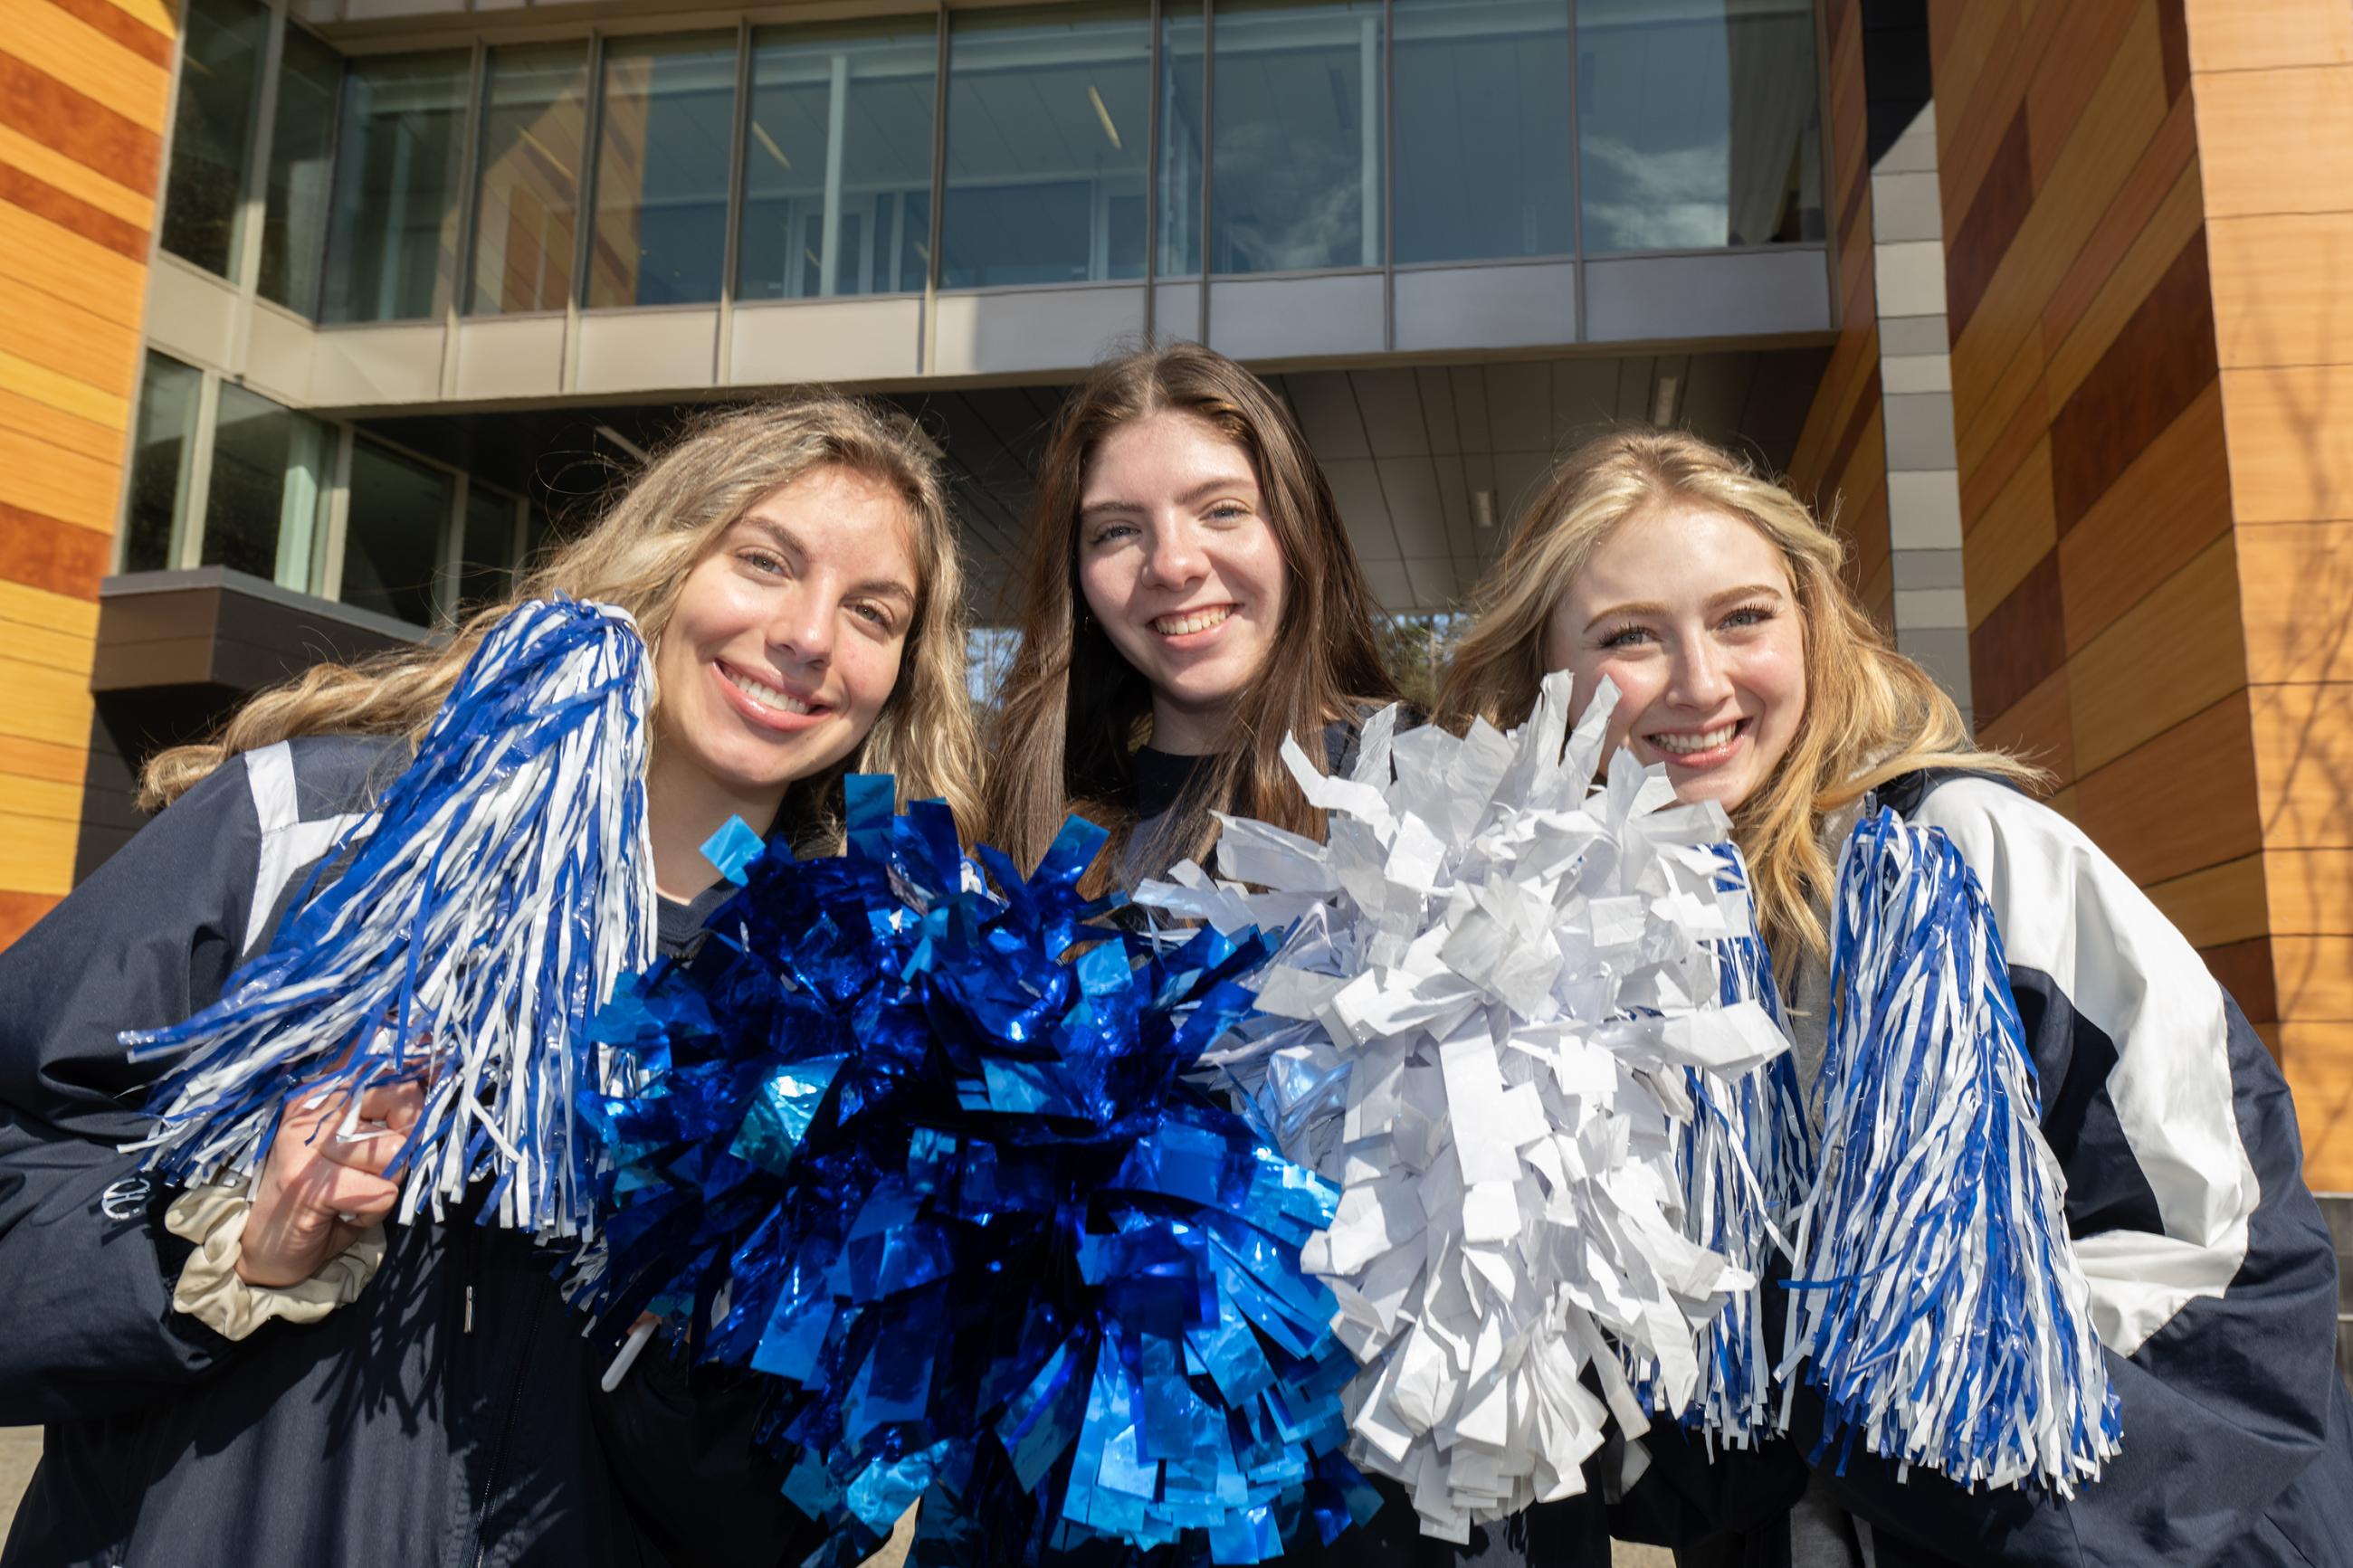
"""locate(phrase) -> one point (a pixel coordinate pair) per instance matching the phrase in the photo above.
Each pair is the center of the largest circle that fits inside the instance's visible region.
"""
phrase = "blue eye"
(1627, 637)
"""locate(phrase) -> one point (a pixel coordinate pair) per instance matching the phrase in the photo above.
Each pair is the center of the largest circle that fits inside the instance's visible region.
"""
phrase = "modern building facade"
(317, 316)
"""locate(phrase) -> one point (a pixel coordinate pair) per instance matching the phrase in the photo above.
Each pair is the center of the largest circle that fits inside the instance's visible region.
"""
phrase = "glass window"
(1696, 124)
(837, 162)
(664, 127)
(1048, 121)
(1295, 141)
(397, 511)
(211, 130)
(263, 505)
(392, 251)
(1481, 138)
(161, 455)
(486, 551)
(302, 163)
(527, 212)
(1183, 80)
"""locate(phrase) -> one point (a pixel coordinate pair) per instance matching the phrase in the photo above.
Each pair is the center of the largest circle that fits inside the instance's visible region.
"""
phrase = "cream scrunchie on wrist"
(210, 1290)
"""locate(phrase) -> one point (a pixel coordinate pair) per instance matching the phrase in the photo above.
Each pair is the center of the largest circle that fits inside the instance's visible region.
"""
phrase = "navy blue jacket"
(2213, 1280)
(450, 1416)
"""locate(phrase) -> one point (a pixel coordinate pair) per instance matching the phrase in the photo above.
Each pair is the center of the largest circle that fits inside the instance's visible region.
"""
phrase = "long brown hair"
(1870, 713)
(638, 557)
(1073, 708)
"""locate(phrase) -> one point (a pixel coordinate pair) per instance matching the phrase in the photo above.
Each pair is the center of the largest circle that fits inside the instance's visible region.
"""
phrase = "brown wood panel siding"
(2159, 363)
(114, 22)
(83, 88)
(2016, 649)
(58, 116)
(2202, 771)
(2220, 904)
(19, 911)
(2172, 502)
(2178, 650)
(2244, 970)
(2013, 536)
(2276, 141)
(72, 214)
(2004, 197)
(1839, 465)
(2250, 34)
(2037, 728)
(2295, 583)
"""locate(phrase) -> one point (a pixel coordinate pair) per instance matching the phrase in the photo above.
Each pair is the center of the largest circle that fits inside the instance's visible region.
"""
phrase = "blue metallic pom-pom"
(922, 1151)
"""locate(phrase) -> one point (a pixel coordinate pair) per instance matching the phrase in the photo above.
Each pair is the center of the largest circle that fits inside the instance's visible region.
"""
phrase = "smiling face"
(785, 639)
(1690, 611)
(1181, 569)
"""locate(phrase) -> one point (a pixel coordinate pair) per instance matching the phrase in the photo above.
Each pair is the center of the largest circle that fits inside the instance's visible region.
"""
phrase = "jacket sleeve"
(86, 1266)
(2213, 1281)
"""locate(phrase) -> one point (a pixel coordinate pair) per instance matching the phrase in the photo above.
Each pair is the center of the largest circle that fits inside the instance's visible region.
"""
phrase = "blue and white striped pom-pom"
(1939, 1306)
(1745, 1162)
(493, 896)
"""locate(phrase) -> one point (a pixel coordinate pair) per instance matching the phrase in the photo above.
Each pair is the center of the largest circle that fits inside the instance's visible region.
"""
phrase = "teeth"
(1684, 745)
(767, 696)
(1197, 621)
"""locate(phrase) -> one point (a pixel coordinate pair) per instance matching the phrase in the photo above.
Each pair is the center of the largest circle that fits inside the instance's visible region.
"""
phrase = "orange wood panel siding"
(84, 86)
(1839, 464)
(2272, 82)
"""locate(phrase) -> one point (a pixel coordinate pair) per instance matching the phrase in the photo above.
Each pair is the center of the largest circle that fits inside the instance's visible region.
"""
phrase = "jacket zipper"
(505, 1428)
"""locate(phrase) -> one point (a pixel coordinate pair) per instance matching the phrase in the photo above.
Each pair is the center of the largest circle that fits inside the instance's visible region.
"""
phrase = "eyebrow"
(885, 587)
(1199, 493)
(1744, 592)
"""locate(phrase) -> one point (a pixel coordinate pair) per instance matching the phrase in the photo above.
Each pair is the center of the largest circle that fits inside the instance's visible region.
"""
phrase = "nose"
(1699, 678)
(801, 628)
(1175, 557)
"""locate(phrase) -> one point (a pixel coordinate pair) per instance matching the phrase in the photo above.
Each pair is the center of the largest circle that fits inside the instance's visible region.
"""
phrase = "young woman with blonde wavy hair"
(1715, 600)
(316, 1387)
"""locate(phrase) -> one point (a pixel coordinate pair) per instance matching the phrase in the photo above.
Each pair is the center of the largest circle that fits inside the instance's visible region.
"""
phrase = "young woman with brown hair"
(1713, 599)
(272, 1375)
(1190, 600)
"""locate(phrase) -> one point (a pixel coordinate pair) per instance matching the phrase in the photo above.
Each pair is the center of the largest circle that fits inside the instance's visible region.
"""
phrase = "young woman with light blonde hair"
(1717, 603)
(273, 1376)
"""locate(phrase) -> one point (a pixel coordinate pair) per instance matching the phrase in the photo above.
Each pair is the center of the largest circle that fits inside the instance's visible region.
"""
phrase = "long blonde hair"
(638, 557)
(1870, 713)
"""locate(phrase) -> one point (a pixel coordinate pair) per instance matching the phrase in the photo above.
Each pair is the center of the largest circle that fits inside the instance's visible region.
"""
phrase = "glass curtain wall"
(264, 507)
(302, 163)
(1296, 137)
(838, 160)
(163, 451)
(1049, 115)
(1696, 129)
(1481, 133)
(527, 204)
(667, 119)
(1698, 123)
(485, 548)
(394, 519)
(212, 131)
(392, 248)
(1184, 73)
